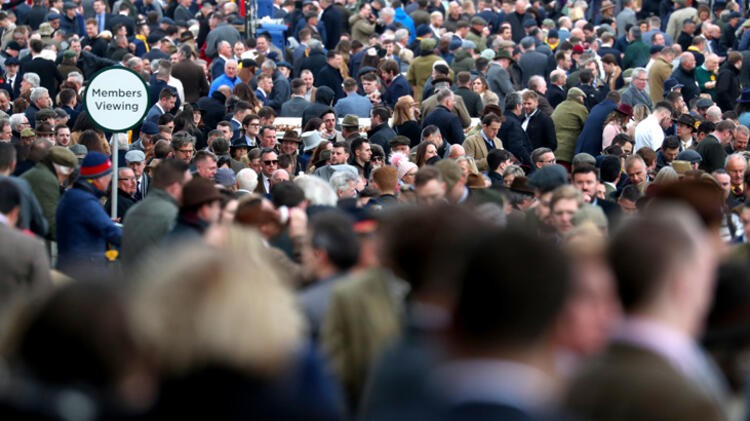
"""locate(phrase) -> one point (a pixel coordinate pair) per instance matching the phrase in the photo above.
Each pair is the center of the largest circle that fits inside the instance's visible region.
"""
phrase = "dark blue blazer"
(398, 88)
(448, 123)
(590, 139)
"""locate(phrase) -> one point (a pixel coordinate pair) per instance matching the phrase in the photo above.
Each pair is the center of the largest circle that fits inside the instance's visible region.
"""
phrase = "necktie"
(100, 21)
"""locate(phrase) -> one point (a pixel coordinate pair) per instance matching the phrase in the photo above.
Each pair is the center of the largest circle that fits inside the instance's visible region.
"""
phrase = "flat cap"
(61, 155)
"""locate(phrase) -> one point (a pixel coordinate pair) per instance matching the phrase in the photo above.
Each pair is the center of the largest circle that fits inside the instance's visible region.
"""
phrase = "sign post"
(116, 99)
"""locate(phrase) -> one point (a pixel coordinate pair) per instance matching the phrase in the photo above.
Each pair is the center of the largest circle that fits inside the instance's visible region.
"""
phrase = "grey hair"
(317, 191)
(388, 11)
(133, 62)
(733, 157)
(76, 76)
(400, 35)
(32, 78)
(340, 180)
(512, 100)
(638, 71)
(38, 92)
(247, 179)
(229, 62)
(16, 119)
(268, 64)
(536, 81)
(444, 94)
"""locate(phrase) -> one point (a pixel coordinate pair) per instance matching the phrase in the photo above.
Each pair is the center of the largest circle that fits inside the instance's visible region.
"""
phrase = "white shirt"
(177, 84)
(648, 133)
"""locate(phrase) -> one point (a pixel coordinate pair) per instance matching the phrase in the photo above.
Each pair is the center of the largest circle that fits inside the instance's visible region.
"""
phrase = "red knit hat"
(95, 165)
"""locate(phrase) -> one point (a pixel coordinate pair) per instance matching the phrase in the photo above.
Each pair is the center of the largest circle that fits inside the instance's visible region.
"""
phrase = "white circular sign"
(116, 99)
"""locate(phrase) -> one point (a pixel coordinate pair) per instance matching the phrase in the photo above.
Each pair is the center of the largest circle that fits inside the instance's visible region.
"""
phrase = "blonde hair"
(218, 306)
(402, 111)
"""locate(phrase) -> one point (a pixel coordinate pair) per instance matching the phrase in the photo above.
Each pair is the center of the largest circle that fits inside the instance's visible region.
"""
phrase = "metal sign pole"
(115, 166)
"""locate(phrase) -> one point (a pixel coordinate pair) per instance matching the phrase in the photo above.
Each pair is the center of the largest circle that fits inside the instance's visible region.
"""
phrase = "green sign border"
(86, 105)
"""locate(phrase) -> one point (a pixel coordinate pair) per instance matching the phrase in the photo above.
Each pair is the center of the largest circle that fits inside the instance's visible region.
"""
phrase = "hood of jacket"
(324, 95)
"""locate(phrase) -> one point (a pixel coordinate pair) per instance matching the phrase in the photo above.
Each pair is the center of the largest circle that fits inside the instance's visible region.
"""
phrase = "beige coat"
(476, 148)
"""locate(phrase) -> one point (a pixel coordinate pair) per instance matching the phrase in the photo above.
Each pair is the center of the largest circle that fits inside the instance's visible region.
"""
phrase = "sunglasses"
(271, 162)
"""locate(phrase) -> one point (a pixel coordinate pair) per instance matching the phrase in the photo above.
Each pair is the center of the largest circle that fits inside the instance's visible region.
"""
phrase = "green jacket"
(702, 76)
(364, 317)
(361, 29)
(569, 118)
(462, 62)
(146, 224)
(46, 188)
(636, 55)
(479, 40)
(419, 71)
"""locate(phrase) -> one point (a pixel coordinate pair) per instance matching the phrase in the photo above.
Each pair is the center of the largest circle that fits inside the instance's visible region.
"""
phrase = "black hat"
(686, 119)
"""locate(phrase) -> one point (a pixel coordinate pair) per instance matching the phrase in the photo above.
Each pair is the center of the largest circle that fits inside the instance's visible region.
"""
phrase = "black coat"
(514, 138)
(124, 202)
(541, 131)
(448, 123)
(214, 108)
(330, 77)
(690, 90)
(411, 130)
(49, 76)
(314, 61)
(98, 45)
(380, 135)
(323, 100)
(728, 87)
(121, 19)
(472, 100)
(555, 95)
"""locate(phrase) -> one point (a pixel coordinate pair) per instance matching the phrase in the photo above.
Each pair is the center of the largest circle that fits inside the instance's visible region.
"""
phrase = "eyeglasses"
(271, 162)
(378, 158)
(186, 151)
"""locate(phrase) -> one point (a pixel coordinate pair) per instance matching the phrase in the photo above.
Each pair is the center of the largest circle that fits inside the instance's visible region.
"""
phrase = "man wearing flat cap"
(136, 161)
(421, 68)
(569, 118)
(85, 230)
(145, 142)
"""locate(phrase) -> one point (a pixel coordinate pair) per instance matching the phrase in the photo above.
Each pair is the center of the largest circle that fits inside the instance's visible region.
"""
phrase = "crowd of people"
(491, 209)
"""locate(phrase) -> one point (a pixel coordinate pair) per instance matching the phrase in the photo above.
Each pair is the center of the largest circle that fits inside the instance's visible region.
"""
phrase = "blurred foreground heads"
(665, 264)
(213, 334)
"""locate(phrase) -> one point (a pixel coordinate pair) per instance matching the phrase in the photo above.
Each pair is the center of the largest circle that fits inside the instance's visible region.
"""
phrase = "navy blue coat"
(448, 123)
(334, 24)
(514, 138)
(398, 88)
(84, 228)
(590, 139)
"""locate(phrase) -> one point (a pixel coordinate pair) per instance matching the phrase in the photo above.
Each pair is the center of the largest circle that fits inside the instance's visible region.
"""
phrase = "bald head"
(687, 61)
